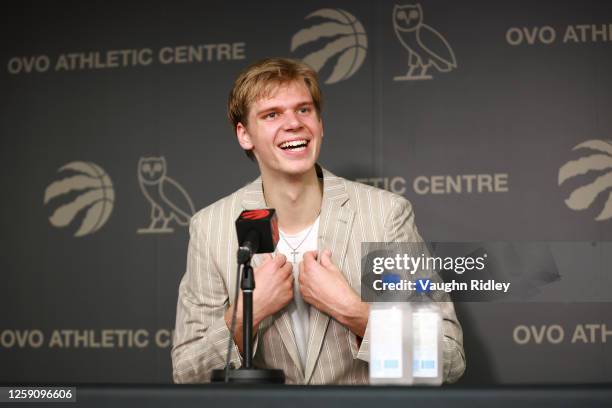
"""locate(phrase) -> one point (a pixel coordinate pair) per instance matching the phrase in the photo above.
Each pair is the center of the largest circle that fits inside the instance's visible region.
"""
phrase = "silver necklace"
(294, 251)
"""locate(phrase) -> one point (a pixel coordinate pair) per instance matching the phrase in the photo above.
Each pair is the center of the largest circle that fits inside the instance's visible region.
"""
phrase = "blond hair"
(261, 78)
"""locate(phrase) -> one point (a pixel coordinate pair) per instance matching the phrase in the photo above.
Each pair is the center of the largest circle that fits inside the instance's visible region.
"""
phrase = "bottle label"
(425, 344)
(386, 343)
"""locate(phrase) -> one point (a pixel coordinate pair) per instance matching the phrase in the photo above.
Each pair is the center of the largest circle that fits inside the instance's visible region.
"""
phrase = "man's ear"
(244, 139)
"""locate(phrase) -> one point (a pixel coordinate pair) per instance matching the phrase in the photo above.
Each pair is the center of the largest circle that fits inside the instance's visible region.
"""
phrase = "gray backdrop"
(508, 137)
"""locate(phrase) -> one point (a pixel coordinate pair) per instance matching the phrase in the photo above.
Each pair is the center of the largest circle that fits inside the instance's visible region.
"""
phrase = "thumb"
(266, 258)
(280, 259)
(309, 256)
(326, 259)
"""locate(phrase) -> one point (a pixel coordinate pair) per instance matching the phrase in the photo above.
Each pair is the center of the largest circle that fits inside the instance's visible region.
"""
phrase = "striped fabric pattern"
(351, 213)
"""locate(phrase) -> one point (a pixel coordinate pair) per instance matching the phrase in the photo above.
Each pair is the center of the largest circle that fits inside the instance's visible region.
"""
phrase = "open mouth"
(294, 145)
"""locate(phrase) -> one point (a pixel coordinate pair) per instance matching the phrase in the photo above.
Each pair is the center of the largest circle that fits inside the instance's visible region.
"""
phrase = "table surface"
(222, 395)
(251, 396)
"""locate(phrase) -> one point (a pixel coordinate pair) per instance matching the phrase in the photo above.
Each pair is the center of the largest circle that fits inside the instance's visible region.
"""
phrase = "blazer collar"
(334, 190)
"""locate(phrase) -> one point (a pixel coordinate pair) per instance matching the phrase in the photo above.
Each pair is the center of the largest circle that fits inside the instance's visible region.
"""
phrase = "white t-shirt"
(299, 310)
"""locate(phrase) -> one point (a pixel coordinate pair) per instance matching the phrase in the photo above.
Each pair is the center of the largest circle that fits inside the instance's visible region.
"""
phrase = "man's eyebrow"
(276, 107)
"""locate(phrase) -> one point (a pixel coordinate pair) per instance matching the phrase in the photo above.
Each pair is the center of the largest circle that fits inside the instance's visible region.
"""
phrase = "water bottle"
(427, 343)
(390, 343)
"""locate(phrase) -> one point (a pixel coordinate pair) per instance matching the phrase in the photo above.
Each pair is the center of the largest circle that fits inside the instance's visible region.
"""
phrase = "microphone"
(257, 232)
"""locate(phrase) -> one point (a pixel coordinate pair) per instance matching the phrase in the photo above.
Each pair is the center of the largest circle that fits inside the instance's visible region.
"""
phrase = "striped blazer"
(351, 213)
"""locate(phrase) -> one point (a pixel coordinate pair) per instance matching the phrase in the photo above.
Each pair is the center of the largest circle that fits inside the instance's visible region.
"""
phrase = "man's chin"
(299, 170)
(296, 169)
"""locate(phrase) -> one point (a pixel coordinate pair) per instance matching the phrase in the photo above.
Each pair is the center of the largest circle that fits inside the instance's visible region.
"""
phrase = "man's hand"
(273, 291)
(273, 287)
(323, 286)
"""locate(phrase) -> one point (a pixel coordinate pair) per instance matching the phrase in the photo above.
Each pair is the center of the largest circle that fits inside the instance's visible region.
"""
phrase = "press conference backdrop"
(506, 136)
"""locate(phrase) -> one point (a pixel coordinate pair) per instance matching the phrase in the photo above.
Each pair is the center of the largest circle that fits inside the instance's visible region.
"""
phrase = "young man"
(308, 316)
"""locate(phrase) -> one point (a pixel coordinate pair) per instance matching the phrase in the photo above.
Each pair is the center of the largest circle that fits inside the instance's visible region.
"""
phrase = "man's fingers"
(280, 259)
(287, 269)
(326, 258)
(310, 259)
(301, 274)
(310, 256)
(290, 288)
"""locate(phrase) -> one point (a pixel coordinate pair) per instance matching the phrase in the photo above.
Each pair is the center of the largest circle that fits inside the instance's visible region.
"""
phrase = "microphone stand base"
(249, 376)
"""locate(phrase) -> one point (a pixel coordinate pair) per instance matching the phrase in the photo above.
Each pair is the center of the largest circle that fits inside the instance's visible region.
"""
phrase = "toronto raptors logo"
(254, 214)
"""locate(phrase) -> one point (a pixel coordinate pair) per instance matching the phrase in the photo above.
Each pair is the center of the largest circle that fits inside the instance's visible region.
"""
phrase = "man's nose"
(292, 121)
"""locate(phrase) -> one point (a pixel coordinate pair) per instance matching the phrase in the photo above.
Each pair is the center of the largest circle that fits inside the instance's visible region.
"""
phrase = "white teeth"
(293, 144)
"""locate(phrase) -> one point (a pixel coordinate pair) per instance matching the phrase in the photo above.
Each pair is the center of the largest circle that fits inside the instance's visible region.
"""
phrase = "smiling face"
(283, 131)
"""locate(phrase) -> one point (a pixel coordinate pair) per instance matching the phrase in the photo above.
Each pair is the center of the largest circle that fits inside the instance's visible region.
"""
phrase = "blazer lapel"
(334, 231)
(254, 199)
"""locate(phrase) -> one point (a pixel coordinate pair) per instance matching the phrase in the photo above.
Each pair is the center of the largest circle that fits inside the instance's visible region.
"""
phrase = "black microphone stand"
(247, 374)
(247, 286)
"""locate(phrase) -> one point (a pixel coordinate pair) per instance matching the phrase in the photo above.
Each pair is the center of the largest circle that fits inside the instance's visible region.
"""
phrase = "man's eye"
(305, 109)
(270, 115)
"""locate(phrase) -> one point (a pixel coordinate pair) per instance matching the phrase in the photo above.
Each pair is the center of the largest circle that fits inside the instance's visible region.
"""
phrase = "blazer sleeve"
(201, 334)
(399, 226)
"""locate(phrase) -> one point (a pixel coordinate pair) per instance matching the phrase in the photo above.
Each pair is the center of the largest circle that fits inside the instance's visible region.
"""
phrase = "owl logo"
(169, 201)
(426, 47)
